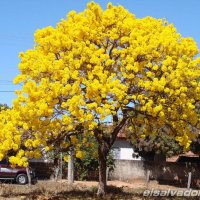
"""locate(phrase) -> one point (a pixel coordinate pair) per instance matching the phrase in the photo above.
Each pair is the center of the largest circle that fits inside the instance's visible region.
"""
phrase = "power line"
(5, 80)
(7, 91)
(8, 82)
(24, 45)
(15, 37)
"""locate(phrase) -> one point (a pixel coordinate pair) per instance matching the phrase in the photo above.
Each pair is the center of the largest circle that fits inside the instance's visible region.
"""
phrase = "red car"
(17, 174)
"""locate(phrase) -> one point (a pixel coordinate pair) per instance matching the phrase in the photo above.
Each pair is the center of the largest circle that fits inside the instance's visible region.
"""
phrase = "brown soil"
(61, 190)
(135, 184)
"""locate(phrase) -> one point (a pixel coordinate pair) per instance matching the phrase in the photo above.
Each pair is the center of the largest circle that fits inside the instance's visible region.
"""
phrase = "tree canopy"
(157, 144)
(100, 66)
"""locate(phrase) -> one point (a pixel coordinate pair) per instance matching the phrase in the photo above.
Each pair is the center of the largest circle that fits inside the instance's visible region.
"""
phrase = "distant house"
(122, 148)
(186, 157)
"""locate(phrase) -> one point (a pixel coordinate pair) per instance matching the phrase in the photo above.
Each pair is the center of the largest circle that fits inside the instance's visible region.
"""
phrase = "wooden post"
(107, 173)
(147, 178)
(29, 176)
(61, 166)
(189, 180)
(71, 167)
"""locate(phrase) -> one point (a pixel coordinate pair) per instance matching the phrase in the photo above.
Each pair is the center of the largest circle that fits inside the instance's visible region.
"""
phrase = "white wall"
(127, 154)
(128, 170)
(122, 150)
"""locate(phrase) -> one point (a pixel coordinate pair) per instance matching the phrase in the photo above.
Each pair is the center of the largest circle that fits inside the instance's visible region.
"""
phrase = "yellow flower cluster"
(92, 67)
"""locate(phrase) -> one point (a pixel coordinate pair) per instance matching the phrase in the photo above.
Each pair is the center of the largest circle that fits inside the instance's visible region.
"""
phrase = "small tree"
(87, 161)
(195, 146)
(151, 145)
(4, 106)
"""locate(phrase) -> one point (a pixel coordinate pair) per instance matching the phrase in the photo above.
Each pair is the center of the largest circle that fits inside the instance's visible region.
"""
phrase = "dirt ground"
(136, 184)
(61, 190)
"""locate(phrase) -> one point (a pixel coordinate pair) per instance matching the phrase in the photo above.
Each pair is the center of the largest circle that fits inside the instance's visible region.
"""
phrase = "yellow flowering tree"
(102, 66)
(11, 137)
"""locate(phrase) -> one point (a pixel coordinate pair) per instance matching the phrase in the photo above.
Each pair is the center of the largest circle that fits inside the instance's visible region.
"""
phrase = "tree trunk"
(102, 156)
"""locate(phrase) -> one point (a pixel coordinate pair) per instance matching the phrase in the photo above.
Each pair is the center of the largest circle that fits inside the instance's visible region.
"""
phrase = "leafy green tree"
(195, 146)
(4, 106)
(161, 144)
(88, 165)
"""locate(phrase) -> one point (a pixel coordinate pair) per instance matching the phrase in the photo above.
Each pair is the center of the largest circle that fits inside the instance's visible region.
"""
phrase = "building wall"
(123, 150)
(128, 170)
(163, 172)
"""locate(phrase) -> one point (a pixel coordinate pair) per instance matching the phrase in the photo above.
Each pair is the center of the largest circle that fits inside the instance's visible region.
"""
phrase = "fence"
(46, 171)
(128, 170)
(164, 172)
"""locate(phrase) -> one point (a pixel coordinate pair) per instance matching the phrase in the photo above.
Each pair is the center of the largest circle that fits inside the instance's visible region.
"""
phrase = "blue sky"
(20, 19)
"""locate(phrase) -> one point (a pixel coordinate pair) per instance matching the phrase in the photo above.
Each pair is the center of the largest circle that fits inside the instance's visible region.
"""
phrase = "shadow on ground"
(113, 193)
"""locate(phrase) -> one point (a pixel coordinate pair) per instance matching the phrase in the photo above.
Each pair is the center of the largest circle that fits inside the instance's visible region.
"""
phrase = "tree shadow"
(112, 193)
(4, 181)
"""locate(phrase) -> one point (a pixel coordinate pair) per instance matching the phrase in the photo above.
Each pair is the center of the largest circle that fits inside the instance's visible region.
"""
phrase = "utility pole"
(71, 166)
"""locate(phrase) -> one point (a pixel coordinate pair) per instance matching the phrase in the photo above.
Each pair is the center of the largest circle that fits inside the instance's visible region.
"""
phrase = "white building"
(123, 150)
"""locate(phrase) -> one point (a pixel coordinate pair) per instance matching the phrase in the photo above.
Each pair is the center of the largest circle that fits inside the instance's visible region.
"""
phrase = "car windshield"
(4, 161)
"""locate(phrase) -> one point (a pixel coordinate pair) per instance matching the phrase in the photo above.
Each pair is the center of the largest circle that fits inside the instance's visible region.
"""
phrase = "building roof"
(188, 154)
(123, 133)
